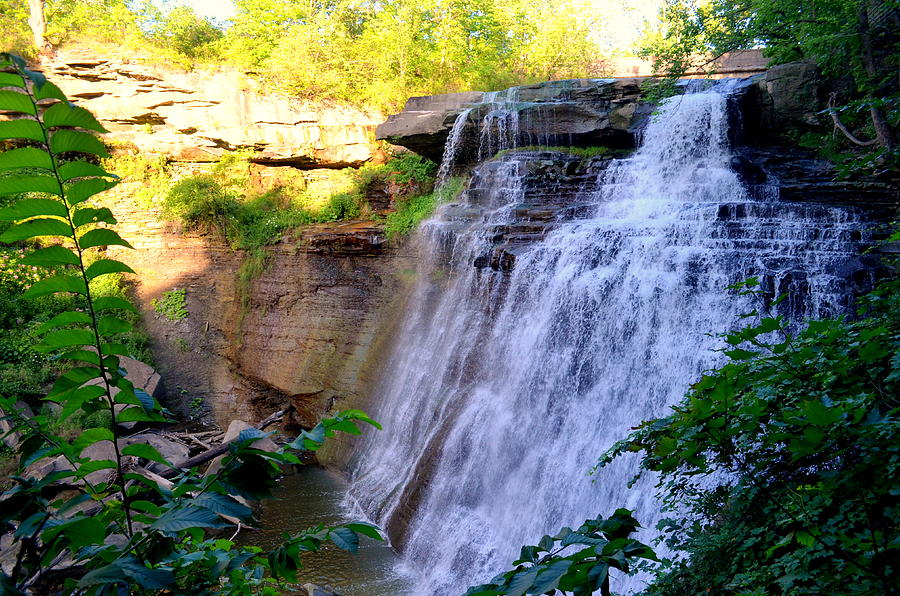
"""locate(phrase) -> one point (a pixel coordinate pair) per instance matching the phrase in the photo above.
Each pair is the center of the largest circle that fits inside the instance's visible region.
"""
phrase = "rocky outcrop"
(801, 175)
(425, 122)
(577, 112)
(196, 116)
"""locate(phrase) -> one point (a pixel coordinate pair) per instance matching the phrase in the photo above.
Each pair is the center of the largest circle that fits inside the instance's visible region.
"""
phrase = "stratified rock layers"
(305, 332)
(196, 116)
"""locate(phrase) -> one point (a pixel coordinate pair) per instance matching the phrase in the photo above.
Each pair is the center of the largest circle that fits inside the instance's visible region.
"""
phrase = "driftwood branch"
(218, 450)
(840, 125)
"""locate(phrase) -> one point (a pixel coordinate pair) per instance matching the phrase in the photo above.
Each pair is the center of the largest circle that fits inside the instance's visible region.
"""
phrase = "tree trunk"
(883, 132)
(38, 23)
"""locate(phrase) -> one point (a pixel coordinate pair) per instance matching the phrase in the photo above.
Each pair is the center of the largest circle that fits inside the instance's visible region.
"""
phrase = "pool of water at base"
(315, 496)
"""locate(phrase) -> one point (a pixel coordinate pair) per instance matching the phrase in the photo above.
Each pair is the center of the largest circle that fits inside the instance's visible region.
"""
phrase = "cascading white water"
(504, 387)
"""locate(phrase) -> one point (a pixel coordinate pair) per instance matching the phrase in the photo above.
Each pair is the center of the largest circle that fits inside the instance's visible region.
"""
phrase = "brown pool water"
(315, 496)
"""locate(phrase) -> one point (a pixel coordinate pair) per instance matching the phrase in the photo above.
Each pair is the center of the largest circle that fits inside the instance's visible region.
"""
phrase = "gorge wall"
(314, 328)
(305, 332)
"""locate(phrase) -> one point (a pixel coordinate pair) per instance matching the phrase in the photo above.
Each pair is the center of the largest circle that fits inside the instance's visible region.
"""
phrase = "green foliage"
(172, 305)
(781, 469)
(410, 167)
(599, 546)
(187, 33)
(132, 166)
(856, 42)
(408, 213)
(225, 202)
(117, 527)
(378, 55)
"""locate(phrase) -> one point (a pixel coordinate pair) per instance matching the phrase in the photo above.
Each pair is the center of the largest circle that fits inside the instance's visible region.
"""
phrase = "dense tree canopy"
(856, 42)
(373, 54)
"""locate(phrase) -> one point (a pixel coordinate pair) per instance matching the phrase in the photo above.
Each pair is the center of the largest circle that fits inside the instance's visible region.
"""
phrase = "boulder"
(233, 432)
(8, 436)
(796, 91)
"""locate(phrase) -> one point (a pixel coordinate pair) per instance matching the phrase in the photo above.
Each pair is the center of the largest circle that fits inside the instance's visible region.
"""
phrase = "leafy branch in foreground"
(781, 469)
(96, 519)
(603, 544)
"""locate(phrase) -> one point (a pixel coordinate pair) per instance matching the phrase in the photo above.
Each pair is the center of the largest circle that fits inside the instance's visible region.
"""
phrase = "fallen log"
(218, 450)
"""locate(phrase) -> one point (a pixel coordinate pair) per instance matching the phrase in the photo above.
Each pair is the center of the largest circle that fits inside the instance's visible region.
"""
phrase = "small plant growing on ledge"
(172, 305)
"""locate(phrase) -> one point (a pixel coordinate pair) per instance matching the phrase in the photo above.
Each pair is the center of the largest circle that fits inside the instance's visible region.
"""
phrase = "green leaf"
(81, 356)
(145, 451)
(8, 79)
(113, 325)
(66, 338)
(25, 208)
(546, 543)
(14, 185)
(16, 101)
(549, 578)
(35, 228)
(105, 266)
(66, 140)
(102, 237)
(740, 354)
(92, 215)
(114, 349)
(346, 426)
(91, 436)
(80, 191)
(345, 539)
(65, 318)
(81, 532)
(187, 516)
(89, 467)
(48, 91)
(21, 128)
(113, 303)
(138, 414)
(57, 283)
(146, 400)
(522, 581)
(121, 570)
(75, 377)
(81, 169)
(52, 255)
(66, 114)
(366, 529)
(26, 157)
(223, 505)
(75, 399)
(36, 77)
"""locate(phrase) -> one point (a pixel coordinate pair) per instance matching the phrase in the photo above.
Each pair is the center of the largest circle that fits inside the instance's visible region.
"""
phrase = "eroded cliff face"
(196, 116)
(313, 328)
(306, 332)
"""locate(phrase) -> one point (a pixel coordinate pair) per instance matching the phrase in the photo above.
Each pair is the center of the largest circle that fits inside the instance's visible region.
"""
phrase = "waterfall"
(504, 386)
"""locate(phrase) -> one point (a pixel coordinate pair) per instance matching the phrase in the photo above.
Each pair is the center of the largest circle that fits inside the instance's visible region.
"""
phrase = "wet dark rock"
(800, 175)
(577, 112)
